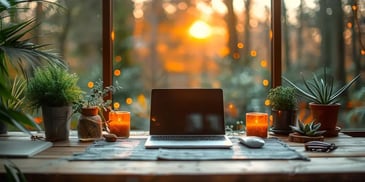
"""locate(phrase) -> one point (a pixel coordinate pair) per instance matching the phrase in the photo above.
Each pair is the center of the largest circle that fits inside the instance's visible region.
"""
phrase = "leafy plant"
(19, 53)
(309, 129)
(95, 96)
(13, 173)
(52, 86)
(282, 98)
(321, 90)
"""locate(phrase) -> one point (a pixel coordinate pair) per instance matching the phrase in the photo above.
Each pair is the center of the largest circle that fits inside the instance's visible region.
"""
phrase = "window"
(207, 43)
(190, 44)
(227, 44)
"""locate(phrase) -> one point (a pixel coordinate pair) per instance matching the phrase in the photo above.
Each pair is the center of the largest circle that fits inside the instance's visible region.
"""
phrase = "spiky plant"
(321, 89)
(309, 129)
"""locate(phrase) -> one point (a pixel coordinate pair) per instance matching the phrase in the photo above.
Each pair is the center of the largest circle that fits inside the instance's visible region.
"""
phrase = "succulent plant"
(282, 98)
(309, 129)
(321, 90)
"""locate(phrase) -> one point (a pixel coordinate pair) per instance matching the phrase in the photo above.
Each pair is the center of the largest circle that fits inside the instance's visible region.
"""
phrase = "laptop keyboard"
(188, 138)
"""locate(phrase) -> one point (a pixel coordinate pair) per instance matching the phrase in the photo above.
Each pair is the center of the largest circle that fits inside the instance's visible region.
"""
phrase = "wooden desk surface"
(344, 164)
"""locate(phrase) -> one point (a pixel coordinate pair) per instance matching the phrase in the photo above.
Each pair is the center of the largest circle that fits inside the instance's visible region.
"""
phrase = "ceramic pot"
(282, 119)
(327, 115)
(57, 122)
(89, 127)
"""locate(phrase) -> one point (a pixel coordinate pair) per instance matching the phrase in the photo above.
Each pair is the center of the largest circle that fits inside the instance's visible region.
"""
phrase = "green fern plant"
(52, 86)
(321, 89)
(309, 129)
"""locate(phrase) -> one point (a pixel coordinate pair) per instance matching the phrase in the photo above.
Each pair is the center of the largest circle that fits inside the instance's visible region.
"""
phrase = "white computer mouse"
(252, 141)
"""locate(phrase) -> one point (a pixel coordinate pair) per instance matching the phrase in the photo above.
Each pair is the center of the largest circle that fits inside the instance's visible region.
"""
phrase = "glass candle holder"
(257, 124)
(120, 122)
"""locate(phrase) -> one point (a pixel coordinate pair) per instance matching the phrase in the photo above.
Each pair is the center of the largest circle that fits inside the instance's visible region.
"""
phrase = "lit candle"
(256, 124)
(120, 123)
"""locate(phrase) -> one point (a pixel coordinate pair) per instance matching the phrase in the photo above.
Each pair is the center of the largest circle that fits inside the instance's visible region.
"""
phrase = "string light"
(117, 72)
(116, 105)
(253, 53)
(90, 84)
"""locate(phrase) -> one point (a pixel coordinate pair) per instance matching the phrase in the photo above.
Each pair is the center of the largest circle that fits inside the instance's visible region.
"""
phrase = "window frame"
(276, 46)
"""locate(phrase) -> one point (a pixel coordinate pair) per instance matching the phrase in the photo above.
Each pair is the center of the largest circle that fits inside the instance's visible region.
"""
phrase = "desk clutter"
(133, 149)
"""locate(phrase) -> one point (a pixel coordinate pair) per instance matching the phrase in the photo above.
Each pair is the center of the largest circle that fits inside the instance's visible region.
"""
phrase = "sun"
(200, 30)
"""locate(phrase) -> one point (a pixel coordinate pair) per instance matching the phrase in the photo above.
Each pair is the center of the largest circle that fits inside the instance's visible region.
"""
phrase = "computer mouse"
(252, 141)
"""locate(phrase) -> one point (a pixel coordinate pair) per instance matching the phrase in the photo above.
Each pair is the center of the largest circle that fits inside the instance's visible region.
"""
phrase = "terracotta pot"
(282, 119)
(92, 111)
(327, 115)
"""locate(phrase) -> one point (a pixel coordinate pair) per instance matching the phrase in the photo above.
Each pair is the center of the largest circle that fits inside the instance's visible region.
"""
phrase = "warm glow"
(263, 63)
(236, 55)
(257, 124)
(200, 30)
(349, 25)
(90, 84)
(112, 35)
(253, 53)
(175, 66)
(118, 59)
(240, 45)
(265, 82)
(116, 105)
(129, 101)
(117, 72)
(362, 52)
(267, 102)
(38, 120)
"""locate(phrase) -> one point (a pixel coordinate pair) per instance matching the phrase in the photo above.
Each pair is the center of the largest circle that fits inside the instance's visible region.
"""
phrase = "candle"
(120, 123)
(256, 124)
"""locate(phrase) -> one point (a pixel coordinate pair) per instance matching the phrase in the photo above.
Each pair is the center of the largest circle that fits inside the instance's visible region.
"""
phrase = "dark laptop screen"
(187, 112)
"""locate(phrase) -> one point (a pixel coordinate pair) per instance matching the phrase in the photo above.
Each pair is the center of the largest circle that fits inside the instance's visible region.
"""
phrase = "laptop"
(187, 118)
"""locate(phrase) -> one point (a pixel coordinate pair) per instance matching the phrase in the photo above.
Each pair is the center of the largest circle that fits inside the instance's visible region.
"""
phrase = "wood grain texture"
(345, 163)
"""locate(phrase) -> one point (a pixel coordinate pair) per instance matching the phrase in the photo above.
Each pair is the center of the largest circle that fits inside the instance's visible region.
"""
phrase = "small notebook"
(22, 148)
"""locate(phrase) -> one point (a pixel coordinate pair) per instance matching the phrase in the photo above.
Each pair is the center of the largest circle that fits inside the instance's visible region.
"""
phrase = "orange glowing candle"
(120, 123)
(256, 124)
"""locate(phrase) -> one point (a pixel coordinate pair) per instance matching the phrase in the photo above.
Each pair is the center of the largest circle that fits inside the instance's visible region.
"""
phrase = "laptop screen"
(187, 112)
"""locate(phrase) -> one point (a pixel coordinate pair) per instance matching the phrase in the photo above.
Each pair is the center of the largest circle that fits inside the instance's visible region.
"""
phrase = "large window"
(192, 44)
(226, 43)
(209, 44)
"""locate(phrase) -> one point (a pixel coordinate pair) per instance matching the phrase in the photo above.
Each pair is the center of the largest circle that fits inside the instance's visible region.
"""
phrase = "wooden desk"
(347, 163)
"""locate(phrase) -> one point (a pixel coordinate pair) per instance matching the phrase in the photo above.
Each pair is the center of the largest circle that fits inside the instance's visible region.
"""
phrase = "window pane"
(325, 33)
(74, 32)
(192, 44)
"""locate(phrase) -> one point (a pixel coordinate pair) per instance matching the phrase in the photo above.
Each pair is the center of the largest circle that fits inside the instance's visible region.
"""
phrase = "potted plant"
(17, 53)
(54, 90)
(91, 108)
(303, 133)
(283, 104)
(323, 97)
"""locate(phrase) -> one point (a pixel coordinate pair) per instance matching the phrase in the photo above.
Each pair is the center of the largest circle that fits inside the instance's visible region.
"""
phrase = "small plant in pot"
(91, 108)
(303, 133)
(283, 104)
(323, 97)
(54, 89)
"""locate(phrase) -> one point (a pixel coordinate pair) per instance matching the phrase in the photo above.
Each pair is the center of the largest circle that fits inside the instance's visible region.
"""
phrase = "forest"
(209, 44)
